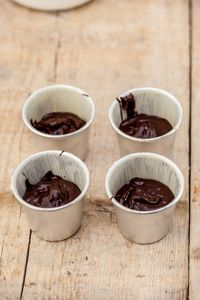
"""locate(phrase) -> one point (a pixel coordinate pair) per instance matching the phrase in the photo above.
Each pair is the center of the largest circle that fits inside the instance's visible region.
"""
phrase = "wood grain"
(105, 48)
(27, 56)
(195, 160)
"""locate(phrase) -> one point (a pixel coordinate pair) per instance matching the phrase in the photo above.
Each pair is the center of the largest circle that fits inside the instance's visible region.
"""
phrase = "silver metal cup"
(52, 224)
(49, 5)
(155, 102)
(60, 98)
(144, 226)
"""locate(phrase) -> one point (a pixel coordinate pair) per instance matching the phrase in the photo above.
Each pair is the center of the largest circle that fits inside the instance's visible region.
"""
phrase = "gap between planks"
(26, 264)
(190, 133)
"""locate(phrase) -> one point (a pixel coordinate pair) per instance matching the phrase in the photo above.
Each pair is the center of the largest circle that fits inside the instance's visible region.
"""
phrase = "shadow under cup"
(149, 101)
(52, 224)
(60, 98)
(144, 226)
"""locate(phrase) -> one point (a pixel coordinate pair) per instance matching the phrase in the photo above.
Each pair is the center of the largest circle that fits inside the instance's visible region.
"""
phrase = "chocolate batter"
(144, 194)
(141, 125)
(50, 191)
(58, 123)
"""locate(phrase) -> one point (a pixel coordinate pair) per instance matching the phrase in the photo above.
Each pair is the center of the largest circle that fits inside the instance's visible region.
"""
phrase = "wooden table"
(105, 48)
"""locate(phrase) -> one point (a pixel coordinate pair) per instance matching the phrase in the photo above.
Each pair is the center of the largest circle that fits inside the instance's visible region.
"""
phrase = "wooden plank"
(195, 161)
(105, 48)
(27, 56)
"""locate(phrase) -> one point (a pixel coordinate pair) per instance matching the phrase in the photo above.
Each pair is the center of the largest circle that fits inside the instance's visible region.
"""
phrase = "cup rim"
(53, 87)
(146, 89)
(148, 155)
(44, 6)
(43, 153)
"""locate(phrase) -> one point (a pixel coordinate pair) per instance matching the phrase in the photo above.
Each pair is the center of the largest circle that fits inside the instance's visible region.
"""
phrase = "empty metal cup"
(49, 5)
(59, 223)
(60, 98)
(155, 102)
(144, 226)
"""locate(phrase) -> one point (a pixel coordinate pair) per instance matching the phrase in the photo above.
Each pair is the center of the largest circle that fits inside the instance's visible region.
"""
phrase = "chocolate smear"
(140, 125)
(58, 123)
(51, 191)
(144, 194)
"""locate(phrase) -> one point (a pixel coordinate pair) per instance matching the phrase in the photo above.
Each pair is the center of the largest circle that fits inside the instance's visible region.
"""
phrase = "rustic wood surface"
(105, 48)
(194, 253)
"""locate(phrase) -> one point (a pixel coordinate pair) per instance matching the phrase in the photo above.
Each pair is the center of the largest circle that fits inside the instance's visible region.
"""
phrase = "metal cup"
(155, 102)
(52, 224)
(49, 5)
(144, 226)
(60, 98)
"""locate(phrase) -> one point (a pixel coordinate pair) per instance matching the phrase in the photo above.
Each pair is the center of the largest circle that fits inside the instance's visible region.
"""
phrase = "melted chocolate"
(140, 125)
(50, 191)
(58, 123)
(144, 194)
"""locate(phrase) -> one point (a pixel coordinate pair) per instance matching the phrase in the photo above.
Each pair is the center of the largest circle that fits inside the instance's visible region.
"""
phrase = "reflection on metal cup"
(155, 102)
(144, 226)
(52, 224)
(60, 98)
